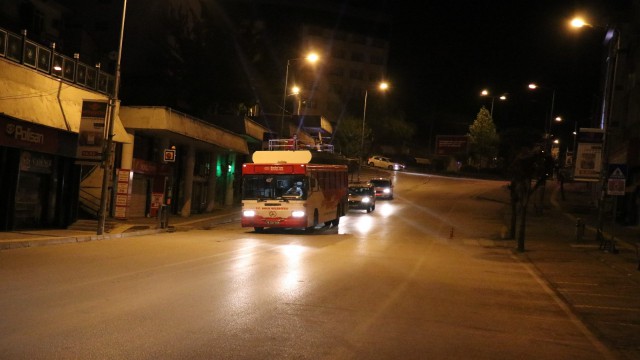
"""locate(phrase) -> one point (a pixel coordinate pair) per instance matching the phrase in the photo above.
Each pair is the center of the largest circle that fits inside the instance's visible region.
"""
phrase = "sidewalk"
(123, 228)
(600, 287)
(579, 204)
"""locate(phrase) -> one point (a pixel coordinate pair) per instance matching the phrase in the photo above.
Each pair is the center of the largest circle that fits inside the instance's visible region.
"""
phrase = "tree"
(349, 137)
(483, 138)
(528, 172)
(391, 130)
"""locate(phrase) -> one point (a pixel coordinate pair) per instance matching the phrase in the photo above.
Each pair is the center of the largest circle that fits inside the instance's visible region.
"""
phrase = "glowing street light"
(486, 93)
(295, 90)
(579, 22)
(312, 58)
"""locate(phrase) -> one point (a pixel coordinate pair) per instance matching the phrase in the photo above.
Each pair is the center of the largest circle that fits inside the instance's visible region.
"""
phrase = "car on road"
(362, 196)
(383, 188)
(384, 162)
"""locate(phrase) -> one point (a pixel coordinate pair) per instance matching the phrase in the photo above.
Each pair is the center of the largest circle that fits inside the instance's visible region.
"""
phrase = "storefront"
(39, 179)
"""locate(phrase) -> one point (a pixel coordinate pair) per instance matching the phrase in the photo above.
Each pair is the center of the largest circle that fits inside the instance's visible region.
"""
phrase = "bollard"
(580, 225)
(163, 217)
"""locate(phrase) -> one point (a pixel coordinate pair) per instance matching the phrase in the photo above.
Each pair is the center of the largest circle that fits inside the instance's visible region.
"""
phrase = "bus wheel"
(259, 229)
(315, 221)
(336, 221)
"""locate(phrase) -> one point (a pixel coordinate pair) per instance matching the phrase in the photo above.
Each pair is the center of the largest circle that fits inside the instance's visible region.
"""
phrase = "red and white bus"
(286, 189)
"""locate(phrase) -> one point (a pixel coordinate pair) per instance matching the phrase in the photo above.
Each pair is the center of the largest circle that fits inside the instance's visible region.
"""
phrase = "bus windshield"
(271, 186)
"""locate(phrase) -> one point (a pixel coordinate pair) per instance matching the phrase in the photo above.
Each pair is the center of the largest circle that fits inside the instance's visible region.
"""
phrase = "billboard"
(589, 154)
(92, 130)
(452, 144)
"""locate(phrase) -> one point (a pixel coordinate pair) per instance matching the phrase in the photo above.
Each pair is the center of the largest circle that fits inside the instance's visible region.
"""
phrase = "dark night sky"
(445, 53)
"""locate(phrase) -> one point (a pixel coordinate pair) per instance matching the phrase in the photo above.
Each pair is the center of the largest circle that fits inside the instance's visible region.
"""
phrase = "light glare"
(249, 213)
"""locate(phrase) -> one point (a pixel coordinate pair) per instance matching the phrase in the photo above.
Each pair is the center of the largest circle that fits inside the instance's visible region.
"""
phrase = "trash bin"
(163, 217)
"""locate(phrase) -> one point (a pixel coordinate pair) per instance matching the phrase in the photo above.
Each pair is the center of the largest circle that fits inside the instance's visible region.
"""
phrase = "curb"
(186, 225)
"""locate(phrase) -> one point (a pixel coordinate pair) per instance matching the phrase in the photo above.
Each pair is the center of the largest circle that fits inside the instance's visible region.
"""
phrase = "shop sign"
(26, 135)
(36, 163)
(92, 130)
(123, 193)
(588, 164)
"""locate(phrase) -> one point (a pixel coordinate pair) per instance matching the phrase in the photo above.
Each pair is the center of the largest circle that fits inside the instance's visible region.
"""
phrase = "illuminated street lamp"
(295, 90)
(502, 97)
(312, 58)
(382, 86)
(579, 22)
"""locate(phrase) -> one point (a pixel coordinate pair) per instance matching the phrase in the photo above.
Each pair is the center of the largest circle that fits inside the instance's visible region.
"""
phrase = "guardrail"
(294, 144)
(45, 59)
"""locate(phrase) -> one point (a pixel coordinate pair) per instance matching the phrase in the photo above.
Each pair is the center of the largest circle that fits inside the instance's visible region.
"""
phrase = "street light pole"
(106, 152)
(382, 86)
(364, 116)
(607, 105)
(312, 58)
(553, 100)
(284, 98)
(547, 125)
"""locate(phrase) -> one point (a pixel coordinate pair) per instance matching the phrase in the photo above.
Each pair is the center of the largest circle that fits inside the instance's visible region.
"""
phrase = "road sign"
(615, 187)
(617, 171)
(169, 155)
(616, 183)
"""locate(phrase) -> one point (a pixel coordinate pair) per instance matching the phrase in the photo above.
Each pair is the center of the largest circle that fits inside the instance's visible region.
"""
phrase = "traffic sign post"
(616, 184)
(616, 181)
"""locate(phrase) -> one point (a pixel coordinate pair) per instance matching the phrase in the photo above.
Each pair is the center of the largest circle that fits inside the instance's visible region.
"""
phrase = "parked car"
(383, 188)
(362, 196)
(384, 162)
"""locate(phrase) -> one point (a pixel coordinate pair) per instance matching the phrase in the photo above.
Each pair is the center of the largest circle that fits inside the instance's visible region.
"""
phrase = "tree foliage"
(484, 139)
(527, 169)
(349, 137)
(393, 130)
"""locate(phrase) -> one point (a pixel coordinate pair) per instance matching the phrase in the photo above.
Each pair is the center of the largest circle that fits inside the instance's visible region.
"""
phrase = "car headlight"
(298, 213)
(386, 191)
(249, 213)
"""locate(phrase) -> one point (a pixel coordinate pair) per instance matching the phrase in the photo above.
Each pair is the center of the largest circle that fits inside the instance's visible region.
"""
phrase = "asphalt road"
(424, 276)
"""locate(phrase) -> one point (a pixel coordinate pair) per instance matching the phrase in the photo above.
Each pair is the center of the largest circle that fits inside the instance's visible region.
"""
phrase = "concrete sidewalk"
(601, 287)
(123, 228)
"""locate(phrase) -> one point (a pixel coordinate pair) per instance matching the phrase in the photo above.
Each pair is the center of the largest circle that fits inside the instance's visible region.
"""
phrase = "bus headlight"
(366, 199)
(386, 191)
(249, 213)
(298, 213)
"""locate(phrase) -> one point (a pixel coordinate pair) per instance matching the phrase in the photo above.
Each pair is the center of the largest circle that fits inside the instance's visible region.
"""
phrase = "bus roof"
(282, 157)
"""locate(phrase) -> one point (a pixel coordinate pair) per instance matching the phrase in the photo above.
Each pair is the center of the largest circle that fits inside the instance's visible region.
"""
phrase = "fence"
(45, 59)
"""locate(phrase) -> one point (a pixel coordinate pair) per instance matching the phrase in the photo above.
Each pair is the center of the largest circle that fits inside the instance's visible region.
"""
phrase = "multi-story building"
(354, 63)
